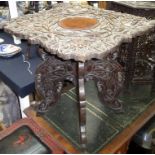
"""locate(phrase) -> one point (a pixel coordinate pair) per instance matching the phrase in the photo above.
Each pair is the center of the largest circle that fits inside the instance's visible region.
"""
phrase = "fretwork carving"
(109, 79)
(50, 76)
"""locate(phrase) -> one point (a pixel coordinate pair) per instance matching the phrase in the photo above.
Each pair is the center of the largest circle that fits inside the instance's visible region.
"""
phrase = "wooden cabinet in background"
(102, 4)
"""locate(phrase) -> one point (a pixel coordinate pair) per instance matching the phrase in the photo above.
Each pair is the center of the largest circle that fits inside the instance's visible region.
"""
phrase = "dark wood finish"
(109, 78)
(38, 131)
(82, 103)
(119, 144)
(50, 76)
(148, 12)
(52, 73)
(143, 61)
(107, 73)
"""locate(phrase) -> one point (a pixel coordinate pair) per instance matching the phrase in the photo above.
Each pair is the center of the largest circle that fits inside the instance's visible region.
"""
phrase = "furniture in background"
(144, 71)
(81, 52)
(145, 50)
(26, 137)
(139, 8)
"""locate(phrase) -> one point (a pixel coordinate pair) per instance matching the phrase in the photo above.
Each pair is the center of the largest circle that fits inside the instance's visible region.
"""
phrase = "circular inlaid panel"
(78, 23)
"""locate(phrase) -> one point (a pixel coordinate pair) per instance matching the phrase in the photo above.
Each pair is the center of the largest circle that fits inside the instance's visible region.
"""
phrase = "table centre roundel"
(78, 23)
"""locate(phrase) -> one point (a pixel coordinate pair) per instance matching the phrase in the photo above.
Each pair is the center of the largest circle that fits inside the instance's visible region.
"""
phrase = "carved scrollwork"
(50, 77)
(109, 79)
(107, 74)
(52, 73)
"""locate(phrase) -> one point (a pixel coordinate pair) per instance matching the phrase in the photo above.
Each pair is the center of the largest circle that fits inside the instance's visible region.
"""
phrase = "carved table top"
(138, 4)
(111, 29)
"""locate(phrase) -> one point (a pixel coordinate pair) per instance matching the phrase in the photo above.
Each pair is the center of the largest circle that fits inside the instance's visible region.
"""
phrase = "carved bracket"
(49, 80)
(52, 73)
(109, 78)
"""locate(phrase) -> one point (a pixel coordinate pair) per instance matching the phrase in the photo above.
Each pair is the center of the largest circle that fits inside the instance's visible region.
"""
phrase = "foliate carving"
(50, 76)
(109, 78)
(144, 61)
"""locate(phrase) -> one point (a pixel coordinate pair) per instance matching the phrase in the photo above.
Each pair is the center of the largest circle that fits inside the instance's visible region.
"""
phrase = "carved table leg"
(82, 101)
(49, 80)
(109, 80)
(50, 76)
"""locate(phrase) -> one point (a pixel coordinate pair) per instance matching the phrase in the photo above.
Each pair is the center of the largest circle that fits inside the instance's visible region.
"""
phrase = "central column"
(82, 104)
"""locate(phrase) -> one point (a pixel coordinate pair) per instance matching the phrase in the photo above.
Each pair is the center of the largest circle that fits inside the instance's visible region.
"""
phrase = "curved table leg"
(49, 83)
(82, 104)
(109, 80)
(50, 76)
(49, 80)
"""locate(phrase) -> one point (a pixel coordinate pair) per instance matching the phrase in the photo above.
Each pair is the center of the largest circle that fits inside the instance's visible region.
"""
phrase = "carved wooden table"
(81, 42)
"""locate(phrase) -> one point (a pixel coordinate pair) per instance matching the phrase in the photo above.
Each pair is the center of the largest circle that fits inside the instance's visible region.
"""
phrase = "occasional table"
(83, 43)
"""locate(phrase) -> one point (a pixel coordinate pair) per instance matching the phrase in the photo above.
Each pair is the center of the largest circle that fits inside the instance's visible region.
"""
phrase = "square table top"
(110, 31)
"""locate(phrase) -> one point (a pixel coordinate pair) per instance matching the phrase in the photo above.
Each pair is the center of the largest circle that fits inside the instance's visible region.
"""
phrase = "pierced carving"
(50, 76)
(52, 73)
(109, 78)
